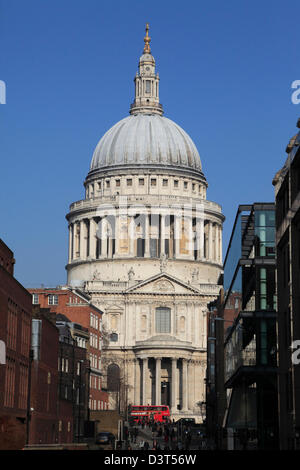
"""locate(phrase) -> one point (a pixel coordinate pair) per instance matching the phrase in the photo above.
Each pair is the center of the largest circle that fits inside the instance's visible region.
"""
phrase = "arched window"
(113, 378)
(163, 320)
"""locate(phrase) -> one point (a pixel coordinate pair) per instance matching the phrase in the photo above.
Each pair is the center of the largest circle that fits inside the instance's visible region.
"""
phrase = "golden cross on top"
(147, 40)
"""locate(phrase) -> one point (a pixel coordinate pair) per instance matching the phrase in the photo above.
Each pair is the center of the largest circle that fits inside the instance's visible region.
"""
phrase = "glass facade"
(264, 233)
(233, 254)
(250, 290)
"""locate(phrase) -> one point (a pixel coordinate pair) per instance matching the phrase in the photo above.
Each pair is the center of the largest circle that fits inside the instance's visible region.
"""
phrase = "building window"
(185, 185)
(118, 182)
(107, 183)
(163, 320)
(113, 337)
(176, 182)
(165, 182)
(35, 299)
(153, 248)
(113, 378)
(153, 182)
(148, 86)
(140, 247)
(53, 299)
(193, 186)
(129, 182)
(141, 181)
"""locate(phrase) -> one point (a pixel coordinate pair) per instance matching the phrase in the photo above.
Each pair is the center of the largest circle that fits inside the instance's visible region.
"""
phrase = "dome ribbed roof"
(146, 139)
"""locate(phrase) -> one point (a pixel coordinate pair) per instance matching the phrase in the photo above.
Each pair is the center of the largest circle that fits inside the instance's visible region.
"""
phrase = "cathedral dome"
(146, 139)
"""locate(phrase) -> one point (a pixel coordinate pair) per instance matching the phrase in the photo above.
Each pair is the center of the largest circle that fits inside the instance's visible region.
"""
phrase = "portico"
(163, 381)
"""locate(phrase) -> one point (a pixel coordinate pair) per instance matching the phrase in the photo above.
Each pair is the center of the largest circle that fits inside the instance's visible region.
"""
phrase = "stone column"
(93, 239)
(176, 235)
(70, 242)
(145, 371)
(189, 227)
(147, 237)
(117, 235)
(184, 385)
(75, 240)
(109, 244)
(158, 381)
(200, 238)
(191, 373)
(130, 235)
(162, 234)
(137, 379)
(104, 238)
(83, 229)
(174, 386)
(220, 243)
(210, 252)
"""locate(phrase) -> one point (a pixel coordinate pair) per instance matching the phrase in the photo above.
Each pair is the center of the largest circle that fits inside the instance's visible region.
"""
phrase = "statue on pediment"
(96, 275)
(163, 262)
(131, 274)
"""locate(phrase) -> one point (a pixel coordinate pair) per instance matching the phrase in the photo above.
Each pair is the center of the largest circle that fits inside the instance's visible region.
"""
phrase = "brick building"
(77, 307)
(51, 416)
(74, 371)
(15, 334)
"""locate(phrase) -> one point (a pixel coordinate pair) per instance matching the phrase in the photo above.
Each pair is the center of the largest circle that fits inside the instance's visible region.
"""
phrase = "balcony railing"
(236, 356)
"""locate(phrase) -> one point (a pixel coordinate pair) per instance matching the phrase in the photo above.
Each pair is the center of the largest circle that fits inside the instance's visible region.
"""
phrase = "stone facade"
(146, 245)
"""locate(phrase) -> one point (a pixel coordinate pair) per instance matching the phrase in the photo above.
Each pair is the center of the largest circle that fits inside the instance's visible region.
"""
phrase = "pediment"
(163, 284)
(114, 308)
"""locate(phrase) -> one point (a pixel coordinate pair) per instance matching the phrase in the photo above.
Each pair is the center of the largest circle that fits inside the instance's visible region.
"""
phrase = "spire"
(146, 83)
(147, 40)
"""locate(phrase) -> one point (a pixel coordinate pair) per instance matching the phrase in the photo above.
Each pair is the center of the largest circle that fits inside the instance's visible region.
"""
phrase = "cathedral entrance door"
(165, 393)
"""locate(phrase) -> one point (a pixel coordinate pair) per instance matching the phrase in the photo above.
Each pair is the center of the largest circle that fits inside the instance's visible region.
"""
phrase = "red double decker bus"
(149, 413)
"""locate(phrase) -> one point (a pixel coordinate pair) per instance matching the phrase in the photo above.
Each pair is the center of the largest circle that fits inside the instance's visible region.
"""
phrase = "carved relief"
(164, 286)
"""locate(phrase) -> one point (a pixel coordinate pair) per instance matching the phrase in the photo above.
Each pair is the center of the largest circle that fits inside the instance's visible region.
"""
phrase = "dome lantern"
(146, 83)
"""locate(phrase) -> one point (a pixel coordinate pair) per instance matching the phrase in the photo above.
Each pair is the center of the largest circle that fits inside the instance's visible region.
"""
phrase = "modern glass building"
(250, 352)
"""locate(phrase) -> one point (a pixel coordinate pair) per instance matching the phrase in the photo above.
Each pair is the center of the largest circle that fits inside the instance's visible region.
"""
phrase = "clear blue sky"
(226, 70)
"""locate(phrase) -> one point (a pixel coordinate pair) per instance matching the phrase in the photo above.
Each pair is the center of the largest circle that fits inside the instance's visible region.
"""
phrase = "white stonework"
(146, 244)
